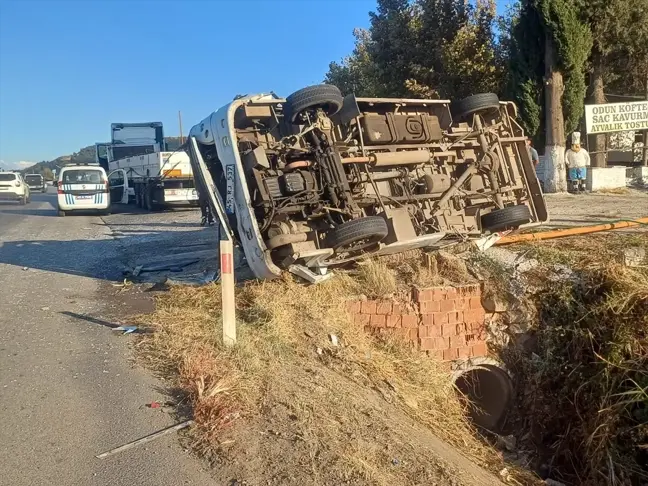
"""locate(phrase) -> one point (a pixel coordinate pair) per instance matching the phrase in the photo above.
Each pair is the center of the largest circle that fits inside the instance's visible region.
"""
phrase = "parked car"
(319, 180)
(14, 188)
(83, 187)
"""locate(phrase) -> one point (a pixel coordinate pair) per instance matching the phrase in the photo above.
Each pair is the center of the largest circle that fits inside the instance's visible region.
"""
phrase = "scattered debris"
(634, 256)
(137, 270)
(154, 405)
(195, 280)
(552, 482)
(45, 308)
(126, 329)
(25, 268)
(507, 442)
(334, 339)
(146, 439)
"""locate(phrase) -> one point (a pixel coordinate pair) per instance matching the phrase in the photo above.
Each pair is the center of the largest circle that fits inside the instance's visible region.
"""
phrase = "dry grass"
(334, 396)
(586, 383)
(615, 190)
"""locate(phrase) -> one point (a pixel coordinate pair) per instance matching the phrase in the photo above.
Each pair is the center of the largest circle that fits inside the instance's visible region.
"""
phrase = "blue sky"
(70, 68)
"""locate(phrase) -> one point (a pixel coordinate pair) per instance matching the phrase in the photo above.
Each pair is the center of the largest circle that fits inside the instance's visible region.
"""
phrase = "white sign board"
(617, 117)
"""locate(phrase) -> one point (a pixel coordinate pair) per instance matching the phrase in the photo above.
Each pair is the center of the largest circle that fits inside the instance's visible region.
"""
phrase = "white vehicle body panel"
(9, 191)
(218, 129)
(83, 195)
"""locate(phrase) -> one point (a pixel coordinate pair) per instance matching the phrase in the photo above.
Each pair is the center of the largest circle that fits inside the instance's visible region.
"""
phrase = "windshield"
(82, 176)
(7, 177)
(34, 178)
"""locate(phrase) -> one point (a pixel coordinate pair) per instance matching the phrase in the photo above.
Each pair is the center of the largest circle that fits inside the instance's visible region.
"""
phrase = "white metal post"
(226, 242)
(227, 288)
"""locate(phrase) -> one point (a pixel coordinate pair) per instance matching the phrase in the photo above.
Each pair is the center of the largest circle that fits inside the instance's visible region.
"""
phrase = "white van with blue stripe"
(83, 188)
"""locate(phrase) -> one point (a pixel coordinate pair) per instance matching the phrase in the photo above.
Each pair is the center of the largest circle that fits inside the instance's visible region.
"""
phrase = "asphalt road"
(67, 388)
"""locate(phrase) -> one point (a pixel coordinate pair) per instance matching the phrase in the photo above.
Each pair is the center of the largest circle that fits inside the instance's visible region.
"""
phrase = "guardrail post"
(227, 288)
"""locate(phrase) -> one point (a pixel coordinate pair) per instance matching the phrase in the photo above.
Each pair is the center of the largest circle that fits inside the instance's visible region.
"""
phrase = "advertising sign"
(617, 117)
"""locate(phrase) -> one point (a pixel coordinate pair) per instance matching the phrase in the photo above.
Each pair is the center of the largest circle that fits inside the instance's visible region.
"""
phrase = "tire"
(149, 205)
(483, 102)
(61, 213)
(358, 234)
(23, 201)
(510, 217)
(325, 96)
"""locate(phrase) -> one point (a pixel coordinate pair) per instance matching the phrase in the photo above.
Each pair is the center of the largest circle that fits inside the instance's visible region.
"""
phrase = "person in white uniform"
(577, 160)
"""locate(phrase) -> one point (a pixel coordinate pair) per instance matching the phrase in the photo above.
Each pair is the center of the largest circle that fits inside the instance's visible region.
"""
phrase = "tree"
(356, 74)
(47, 173)
(551, 37)
(424, 49)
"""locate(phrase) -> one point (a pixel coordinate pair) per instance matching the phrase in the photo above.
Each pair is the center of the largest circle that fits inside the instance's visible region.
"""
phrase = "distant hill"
(84, 155)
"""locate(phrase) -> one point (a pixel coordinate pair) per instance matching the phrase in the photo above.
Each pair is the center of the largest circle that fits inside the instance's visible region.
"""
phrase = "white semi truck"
(142, 171)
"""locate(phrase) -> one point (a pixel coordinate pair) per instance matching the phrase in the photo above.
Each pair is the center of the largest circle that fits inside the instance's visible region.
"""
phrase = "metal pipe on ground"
(582, 230)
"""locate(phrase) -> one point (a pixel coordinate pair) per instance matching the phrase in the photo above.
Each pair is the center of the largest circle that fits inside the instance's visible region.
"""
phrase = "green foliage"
(425, 48)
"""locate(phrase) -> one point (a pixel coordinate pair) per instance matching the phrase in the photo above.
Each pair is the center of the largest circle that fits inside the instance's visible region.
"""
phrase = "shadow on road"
(104, 259)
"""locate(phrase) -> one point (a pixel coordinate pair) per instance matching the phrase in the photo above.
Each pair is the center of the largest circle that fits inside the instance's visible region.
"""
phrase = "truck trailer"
(138, 162)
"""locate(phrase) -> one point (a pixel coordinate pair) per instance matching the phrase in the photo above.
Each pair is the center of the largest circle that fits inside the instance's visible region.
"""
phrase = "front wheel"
(23, 200)
(61, 213)
(353, 237)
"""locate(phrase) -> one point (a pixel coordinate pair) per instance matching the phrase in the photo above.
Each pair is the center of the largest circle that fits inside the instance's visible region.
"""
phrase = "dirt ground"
(567, 210)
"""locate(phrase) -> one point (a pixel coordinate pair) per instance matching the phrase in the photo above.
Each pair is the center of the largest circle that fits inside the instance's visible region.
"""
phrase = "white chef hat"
(576, 138)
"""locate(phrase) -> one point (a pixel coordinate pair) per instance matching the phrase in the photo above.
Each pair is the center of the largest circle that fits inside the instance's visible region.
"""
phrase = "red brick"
(451, 293)
(398, 308)
(461, 328)
(368, 307)
(378, 321)
(460, 316)
(450, 354)
(448, 330)
(470, 290)
(438, 294)
(430, 331)
(426, 343)
(440, 318)
(457, 341)
(413, 334)
(353, 307)
(441, 343)
(462, 303)
(471, 339)
(447, 305)
(427, 320)
(409, 321)
(452, 318)
(393, 321)
(384, 307)
(430, 307)
(475, 303)
(435, 354)
(422, 295)
(480, 349)
(362, 319)
(480, 314)
(464, 352)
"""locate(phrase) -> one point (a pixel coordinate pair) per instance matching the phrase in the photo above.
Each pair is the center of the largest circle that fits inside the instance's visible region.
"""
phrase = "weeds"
(284, 358)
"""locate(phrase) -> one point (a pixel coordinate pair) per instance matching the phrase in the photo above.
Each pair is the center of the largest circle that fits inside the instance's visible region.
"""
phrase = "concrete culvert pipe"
(489, 391)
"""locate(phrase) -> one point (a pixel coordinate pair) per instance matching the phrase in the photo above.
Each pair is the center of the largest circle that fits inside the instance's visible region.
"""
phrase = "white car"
(83, 187)
(14, 188)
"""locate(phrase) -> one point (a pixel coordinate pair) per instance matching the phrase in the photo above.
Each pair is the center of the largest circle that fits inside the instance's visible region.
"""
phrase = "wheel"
(357, 234)
(325, 96)
(148, 199)
(508, 218)
(139, 200)
(61, 213)
(105, 212)
(23, 201)
(483, 102)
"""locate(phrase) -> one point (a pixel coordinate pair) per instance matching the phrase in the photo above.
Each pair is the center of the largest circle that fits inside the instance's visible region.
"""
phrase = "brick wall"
(447, 323)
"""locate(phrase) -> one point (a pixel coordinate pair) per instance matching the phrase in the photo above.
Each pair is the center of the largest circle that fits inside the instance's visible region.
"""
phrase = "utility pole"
(180, 122)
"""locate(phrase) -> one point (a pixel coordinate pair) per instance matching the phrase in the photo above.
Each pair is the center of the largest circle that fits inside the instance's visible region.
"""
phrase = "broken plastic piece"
(308, 275)
(126, 329)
